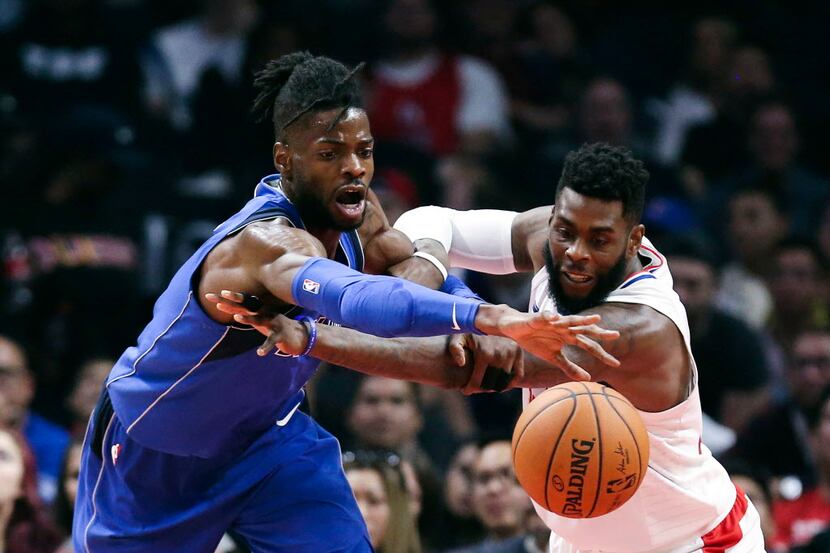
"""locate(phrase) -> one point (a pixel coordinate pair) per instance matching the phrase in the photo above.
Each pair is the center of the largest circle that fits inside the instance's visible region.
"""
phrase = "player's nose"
(577, 252)
(353, 166)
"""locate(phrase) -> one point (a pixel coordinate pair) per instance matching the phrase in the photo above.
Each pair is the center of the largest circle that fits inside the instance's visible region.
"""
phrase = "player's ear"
(282, 159)
(635, 238)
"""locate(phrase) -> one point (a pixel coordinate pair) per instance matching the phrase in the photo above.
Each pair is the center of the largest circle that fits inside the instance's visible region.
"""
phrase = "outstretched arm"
(281, 261)
(426, 360)
(423, 360)
(486, 240)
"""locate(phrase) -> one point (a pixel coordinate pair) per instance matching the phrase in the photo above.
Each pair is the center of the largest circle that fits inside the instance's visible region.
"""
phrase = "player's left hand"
(282, 333)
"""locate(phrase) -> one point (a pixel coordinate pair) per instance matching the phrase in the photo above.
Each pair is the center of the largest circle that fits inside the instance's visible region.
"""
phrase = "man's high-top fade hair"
(608, 173)
(299, 83)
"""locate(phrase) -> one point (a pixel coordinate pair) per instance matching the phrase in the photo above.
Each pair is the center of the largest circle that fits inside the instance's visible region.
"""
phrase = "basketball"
(580, 449)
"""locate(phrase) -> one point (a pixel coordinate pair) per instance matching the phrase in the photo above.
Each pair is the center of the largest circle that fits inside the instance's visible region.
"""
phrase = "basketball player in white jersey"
(590, 256)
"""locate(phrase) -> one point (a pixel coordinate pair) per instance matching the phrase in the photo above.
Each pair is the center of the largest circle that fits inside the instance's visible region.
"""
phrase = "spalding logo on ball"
(580, 450)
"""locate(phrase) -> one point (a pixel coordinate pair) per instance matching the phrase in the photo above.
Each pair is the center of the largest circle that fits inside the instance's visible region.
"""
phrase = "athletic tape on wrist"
(434, 260)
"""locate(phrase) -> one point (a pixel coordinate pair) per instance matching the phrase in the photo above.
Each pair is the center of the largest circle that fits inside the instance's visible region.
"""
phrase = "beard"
(605, 284)
(316, 215)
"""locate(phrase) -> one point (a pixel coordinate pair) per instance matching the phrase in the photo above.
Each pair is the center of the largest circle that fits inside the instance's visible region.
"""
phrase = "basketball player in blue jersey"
(195, 434)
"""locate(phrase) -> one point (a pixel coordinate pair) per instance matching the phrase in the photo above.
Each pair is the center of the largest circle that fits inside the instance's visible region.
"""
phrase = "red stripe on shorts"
(728, 533)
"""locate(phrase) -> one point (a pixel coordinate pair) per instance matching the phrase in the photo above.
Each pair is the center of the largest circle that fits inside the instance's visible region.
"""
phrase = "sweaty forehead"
(587, 211)
(351, 124)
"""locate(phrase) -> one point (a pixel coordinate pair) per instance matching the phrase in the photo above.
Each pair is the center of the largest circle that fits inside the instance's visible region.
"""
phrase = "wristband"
(455, 286)
(434, 260)
(311, 327)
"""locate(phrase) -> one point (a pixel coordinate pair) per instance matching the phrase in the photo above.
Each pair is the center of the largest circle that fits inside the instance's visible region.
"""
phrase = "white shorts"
(739, 532)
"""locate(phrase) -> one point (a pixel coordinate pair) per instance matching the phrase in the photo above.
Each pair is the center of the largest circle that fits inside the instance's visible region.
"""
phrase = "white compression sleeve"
(477, 239)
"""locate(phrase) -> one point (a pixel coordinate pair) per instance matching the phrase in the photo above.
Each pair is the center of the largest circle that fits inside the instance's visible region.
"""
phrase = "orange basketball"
(580, 449)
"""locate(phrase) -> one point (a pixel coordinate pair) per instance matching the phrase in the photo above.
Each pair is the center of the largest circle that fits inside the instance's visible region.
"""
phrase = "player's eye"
(367, 153)
(326, 155)
(563, 233)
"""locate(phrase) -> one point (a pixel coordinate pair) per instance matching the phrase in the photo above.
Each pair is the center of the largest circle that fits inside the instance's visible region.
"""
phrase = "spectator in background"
(694, 99)
(84, 395)
(24, 526)
(178, 56)
(197, 93)
(756, 223)
(386, 414)
(798, 283)
(778, 441)
(554, 71)
(378, 485)
(448, 422)
(457, 525)
(605, 114)
(499, 502)
(64, 507)
(488, 31)
(773, 142)
(715, 149)
(799, 520)
(47, 440)
(731, 366)
(437, 102)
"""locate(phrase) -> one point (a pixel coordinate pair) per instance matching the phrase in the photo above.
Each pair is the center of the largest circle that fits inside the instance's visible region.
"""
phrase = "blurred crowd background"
(125, 137)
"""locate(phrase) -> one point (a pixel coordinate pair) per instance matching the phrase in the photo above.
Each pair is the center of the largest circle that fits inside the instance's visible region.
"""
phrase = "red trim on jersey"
(728, 533)
(657, 261)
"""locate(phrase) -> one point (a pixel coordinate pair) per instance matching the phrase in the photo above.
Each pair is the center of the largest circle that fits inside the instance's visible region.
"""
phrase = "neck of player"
(329, 237)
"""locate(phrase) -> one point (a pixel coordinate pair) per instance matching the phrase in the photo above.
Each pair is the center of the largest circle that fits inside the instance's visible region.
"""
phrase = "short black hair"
(299, 83)
(607, 172)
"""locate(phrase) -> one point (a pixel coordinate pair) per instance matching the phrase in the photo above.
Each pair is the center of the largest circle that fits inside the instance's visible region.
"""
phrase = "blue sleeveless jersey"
(192, 386)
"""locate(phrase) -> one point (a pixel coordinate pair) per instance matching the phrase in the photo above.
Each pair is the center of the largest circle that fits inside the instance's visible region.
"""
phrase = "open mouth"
(577, 279)
(351, 199)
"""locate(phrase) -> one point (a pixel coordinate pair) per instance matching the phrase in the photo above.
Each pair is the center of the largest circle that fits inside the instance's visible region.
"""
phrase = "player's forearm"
(386, 306)
(423, 360)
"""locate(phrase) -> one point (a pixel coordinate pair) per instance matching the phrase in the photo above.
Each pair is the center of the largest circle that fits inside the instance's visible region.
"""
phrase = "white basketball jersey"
(685, 492)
